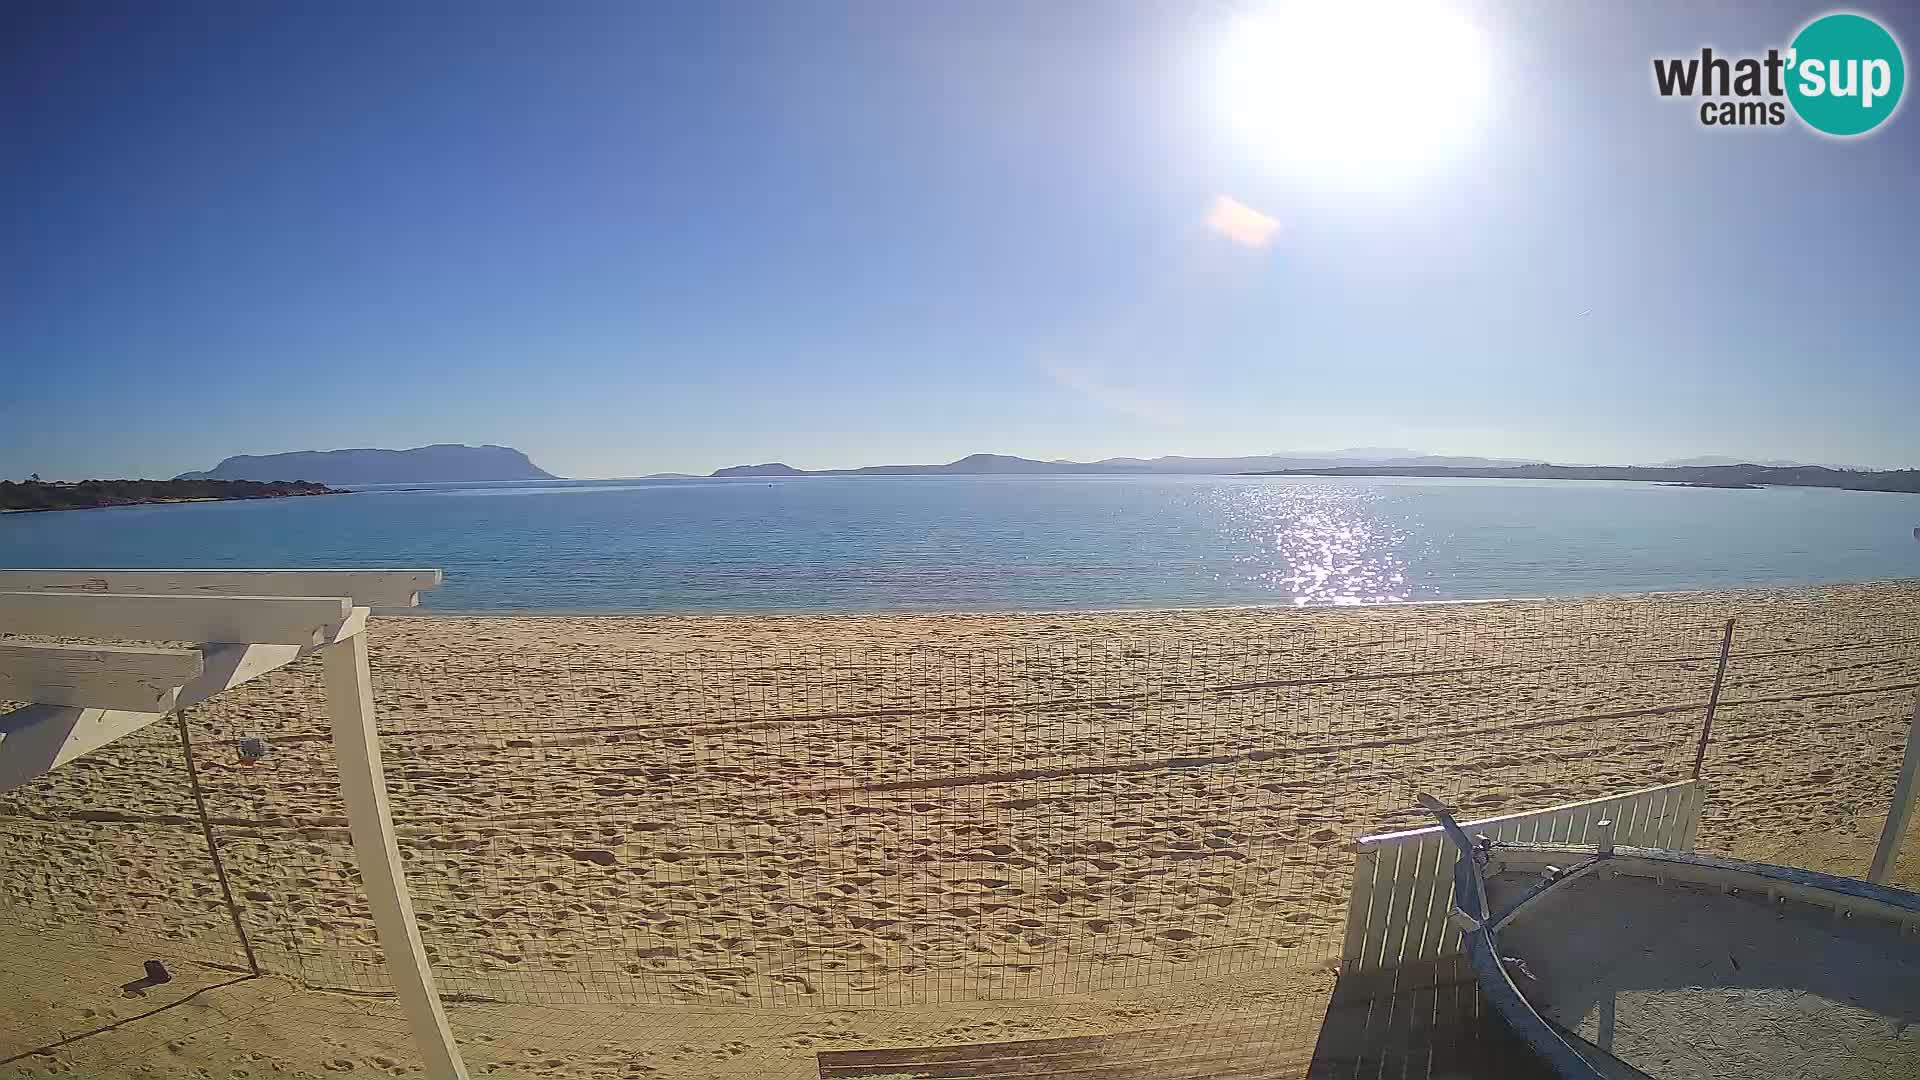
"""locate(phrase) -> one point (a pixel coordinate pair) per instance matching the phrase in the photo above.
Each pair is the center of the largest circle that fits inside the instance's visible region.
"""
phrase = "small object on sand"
(252, 749)
(156, 974)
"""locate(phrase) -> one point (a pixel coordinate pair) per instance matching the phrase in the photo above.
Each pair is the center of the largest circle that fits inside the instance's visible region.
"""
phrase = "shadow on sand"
(1421, 1022)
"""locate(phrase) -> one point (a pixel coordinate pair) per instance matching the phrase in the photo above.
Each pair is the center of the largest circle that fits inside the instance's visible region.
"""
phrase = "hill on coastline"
(441, 463)
(93, 494)
(1720, 476)
(1002, 464)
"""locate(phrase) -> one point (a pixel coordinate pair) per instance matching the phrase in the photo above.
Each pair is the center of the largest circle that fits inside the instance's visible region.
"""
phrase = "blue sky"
(673, 237)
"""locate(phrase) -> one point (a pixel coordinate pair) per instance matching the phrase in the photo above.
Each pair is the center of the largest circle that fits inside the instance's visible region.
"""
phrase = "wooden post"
(1900, 814)
(1713, 700)
(356, 749)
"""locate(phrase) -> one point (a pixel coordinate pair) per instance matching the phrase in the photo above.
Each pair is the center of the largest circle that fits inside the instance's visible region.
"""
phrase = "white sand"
(631, 858)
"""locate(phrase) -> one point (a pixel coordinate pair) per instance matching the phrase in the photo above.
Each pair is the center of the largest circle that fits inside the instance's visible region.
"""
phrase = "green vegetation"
(1719, 476)
(88, 494)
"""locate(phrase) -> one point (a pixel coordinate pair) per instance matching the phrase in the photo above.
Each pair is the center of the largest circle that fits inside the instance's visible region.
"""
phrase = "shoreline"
(1180, 609)
(36, 496)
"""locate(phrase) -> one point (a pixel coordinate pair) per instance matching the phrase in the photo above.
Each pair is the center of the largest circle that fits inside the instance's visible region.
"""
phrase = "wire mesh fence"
(1808, 736)
(826, 815)
(904, 825)
(109, 849)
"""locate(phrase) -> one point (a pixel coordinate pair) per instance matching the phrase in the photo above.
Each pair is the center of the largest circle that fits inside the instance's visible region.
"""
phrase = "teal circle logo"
(1845, 74)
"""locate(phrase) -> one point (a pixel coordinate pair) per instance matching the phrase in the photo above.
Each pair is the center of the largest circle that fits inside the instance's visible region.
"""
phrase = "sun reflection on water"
(1320, 545)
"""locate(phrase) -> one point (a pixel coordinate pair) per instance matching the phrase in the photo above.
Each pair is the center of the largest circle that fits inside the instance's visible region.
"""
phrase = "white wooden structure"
(1403, 881)
(1906, 791)
(244, 624)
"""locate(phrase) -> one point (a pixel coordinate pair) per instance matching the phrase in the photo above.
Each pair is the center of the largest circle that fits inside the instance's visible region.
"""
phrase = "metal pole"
(1900, 814)
(1713, 700)
(206, 829)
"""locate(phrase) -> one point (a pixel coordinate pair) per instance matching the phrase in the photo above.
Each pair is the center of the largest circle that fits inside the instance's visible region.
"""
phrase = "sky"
(638, 238)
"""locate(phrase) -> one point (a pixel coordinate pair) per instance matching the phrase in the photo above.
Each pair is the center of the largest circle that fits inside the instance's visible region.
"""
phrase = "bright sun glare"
(1354, 96)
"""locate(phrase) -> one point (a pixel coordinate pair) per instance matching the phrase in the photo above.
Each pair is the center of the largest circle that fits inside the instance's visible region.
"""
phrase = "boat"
(1617, 962)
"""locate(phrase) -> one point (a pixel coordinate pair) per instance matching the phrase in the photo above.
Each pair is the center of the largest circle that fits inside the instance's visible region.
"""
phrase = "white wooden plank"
(32, 659)
(1670, 820)
(1487, 825)
(36, 739)
(1580, 824)
(368, 588)
(1654, 827)
(1384, 874)
(273, 620)
(1557, 824)
(1403, 882)
(1380, 913)
(105, 691)
(1680, 811)
(1611, 812)
(1442, 940)
(1659, 818)
(1406, 880)
(97, 676)
(1633, 831)
(1572, 822)
(1359, 904)
(1696, 802)
(1563, 823)
(1432, 898)
(356, 745)
(1906, 789)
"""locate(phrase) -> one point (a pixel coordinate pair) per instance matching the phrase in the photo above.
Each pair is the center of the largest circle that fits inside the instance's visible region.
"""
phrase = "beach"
(717, 845)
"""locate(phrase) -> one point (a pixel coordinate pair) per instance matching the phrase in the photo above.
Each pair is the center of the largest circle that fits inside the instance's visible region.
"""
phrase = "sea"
(990, 543)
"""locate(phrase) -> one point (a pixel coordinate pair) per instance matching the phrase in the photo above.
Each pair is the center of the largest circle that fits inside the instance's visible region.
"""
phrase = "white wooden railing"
(243, 625)
(1403, 881)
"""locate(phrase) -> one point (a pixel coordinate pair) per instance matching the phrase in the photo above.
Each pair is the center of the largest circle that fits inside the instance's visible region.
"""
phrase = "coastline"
(1184, 609)
(37, 497)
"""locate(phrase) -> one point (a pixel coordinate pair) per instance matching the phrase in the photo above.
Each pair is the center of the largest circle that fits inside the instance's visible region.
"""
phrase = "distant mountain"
(1001, 464)
(998, 464)
(1714, 460)
(1720, 476)
(1302, 459)
(1366, 453)
(441, 463)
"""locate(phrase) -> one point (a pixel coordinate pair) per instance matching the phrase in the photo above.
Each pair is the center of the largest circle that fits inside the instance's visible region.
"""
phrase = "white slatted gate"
(1403, 881)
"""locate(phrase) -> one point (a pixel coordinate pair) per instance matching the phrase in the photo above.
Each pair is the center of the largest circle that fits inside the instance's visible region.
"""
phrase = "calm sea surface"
(967, 543)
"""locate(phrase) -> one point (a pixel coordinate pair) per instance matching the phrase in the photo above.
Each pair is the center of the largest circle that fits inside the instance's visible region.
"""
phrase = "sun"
(1354, 96)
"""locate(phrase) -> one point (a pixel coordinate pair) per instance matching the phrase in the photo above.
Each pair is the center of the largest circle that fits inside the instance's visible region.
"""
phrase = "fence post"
(1900, 814)
(356, 749)
(1713, 700)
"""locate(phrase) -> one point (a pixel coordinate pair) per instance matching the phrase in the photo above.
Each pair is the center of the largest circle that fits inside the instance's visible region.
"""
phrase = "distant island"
(1003, 464)
(1705, 472)
(1718, 476)
(92, 494)
(441, 463)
